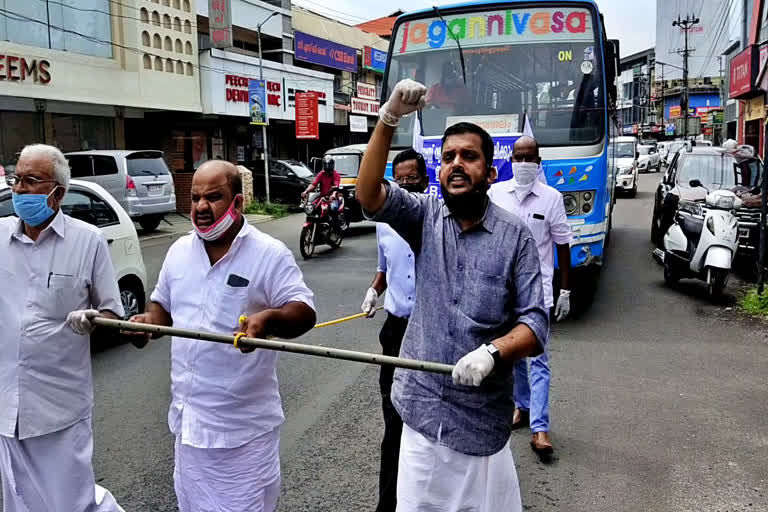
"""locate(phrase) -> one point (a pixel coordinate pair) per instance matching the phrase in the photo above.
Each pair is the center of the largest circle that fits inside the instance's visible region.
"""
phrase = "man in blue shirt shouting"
(479, 304)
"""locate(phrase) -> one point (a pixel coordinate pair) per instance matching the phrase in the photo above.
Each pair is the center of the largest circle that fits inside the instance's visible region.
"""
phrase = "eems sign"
(20, 69)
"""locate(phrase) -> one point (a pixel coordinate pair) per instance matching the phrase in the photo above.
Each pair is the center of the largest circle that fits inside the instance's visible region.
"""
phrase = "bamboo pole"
(279, 345)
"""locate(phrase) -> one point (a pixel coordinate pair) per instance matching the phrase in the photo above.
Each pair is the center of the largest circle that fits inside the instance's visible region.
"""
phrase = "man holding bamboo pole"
(479, 303)
(225, 405)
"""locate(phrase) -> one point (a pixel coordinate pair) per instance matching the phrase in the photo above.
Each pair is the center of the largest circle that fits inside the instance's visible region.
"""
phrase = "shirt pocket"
(487, 298)
(230, 302)
(538, 226)
(64, 294)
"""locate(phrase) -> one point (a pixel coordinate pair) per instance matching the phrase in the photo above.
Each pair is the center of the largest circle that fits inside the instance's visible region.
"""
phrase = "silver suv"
(138, 180)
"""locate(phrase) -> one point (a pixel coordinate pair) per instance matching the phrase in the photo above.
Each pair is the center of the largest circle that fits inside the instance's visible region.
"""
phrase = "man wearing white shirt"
(56, 277)
(541, 208)
(225, 406)
(397, 275)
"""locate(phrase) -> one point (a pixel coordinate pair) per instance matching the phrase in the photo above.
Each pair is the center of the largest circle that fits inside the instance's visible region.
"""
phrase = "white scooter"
(703, 240)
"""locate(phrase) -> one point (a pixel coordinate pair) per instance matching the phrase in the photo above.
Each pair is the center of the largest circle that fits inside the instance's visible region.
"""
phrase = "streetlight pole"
(264, 126)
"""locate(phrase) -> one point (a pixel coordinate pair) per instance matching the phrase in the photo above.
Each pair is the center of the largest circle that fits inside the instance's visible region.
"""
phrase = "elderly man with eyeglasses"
(57, 276)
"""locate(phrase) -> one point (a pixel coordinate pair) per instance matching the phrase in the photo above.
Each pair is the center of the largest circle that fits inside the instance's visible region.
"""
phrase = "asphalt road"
(658, 398)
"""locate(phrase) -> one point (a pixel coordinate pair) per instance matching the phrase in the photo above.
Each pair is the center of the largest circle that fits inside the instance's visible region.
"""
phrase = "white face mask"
(221, 226)
(525, 174)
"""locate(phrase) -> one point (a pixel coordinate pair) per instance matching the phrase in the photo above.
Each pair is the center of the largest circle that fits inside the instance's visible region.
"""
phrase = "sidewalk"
(177, 224)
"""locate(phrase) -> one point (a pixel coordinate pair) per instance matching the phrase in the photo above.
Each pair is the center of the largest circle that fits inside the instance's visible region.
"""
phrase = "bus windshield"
(541, 61)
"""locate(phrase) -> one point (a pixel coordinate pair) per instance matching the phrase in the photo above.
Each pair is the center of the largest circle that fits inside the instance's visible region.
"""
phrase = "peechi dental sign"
(496, 28)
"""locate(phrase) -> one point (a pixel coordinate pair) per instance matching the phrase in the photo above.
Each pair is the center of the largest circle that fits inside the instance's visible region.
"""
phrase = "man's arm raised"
(406, 98)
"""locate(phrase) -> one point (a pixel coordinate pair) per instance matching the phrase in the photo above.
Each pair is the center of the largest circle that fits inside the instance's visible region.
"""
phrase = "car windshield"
(509, 66)
(300, 170)
(644, 150)
(713, 171)
(625, 150)
(145, 164)
(347, 165)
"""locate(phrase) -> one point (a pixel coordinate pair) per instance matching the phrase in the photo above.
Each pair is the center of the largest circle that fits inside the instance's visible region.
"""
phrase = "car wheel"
(132, 298)
(149, 224)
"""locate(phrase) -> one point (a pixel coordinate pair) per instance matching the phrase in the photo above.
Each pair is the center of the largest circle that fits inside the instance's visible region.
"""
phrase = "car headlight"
(643, 164)
(571, 204)
(626, 170)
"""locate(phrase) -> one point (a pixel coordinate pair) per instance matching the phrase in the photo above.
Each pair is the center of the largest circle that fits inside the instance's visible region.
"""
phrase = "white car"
(648, 158)
(90, 203)
(621, 154)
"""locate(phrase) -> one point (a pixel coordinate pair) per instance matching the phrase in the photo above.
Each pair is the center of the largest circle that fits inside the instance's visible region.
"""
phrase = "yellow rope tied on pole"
(345, 319)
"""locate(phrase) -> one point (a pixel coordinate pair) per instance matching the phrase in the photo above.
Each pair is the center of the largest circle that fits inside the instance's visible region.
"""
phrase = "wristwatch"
(494, 351)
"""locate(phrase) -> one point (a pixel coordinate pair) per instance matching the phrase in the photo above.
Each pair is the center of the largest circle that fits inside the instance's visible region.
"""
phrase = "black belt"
(399, 319)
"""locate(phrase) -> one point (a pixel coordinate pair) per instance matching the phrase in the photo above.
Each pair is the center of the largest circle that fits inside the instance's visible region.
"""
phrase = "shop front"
(224, 84)
(81, 101)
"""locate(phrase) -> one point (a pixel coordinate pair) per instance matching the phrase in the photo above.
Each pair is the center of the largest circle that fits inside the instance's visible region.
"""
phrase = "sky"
(631, 21)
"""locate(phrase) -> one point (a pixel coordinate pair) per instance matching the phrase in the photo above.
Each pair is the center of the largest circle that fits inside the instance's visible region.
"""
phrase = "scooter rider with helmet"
(327, 179)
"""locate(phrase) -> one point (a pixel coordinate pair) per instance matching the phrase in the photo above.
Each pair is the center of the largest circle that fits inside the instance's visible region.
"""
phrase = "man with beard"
(395, 274)
(479, 304)
(225, 406)
(541, 208)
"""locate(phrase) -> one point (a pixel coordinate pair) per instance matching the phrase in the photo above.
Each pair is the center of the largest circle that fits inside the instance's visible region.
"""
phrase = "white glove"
(473, 367)
(80, 321)
(369, 303)
(563, 306)
(407, 97)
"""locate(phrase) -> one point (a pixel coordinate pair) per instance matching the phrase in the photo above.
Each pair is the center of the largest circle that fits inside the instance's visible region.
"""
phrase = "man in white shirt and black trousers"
(541, 207)
(397, 275)
(56, 277)
(225, 405)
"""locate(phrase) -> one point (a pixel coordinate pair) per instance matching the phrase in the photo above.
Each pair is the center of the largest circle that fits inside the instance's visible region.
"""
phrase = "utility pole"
(264, 126)
(685, 25)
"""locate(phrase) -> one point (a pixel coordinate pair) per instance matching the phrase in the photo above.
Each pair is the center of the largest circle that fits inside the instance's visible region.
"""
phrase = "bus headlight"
(571, 204)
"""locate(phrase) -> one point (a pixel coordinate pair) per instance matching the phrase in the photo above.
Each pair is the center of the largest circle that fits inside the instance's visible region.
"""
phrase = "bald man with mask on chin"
(225, 409)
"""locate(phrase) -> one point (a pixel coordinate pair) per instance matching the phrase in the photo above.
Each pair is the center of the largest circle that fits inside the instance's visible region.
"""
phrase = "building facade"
(85, 75)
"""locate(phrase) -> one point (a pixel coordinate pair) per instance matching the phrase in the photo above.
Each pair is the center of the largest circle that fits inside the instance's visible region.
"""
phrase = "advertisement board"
(257, 101)
(307, 126)
(373, 59)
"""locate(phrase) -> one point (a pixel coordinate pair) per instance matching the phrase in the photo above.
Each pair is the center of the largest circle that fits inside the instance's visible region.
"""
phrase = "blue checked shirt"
(472, 287)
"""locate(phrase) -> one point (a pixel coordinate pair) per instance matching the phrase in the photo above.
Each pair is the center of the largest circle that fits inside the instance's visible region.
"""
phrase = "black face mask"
(469, 205)
(413, 187)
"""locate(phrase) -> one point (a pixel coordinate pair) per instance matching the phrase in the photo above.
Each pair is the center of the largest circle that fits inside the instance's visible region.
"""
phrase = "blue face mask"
(32, 208)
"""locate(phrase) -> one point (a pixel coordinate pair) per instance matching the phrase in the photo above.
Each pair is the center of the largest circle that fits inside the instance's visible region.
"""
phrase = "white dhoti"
(246, 478)
(53, 473)
(434, 478)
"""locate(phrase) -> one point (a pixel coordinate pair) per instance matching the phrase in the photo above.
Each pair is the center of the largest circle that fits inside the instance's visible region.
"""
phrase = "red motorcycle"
(322, 226)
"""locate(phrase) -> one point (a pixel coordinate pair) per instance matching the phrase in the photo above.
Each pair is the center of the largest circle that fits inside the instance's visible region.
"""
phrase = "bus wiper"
(453, 36)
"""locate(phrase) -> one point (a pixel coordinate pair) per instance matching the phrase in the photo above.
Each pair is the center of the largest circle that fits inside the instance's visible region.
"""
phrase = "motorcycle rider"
(327, 179)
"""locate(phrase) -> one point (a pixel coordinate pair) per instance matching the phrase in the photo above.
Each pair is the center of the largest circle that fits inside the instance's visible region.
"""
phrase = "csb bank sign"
(492, 28)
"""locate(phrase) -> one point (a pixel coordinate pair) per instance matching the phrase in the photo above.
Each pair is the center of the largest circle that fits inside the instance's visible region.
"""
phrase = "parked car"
(621, 154)
(139, 180)
(287, 180)
(92, 204)
(716, 169)
(648, 158)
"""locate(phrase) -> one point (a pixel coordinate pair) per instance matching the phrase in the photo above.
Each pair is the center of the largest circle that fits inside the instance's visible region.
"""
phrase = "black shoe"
(521, 419)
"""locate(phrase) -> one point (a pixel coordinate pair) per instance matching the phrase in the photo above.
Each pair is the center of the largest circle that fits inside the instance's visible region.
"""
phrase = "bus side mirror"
(611, 69)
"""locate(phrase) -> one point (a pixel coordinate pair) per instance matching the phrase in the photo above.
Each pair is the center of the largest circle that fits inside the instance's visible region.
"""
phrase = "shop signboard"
(373, 59)
(325, 53)
(307, 125)
(358, 124)
(363, 106)
(366, 91)
(220, 23)
(257, 102)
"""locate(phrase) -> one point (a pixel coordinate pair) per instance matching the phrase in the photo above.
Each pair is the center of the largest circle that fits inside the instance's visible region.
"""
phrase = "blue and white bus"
(495, 63)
